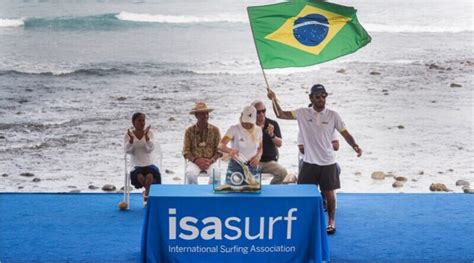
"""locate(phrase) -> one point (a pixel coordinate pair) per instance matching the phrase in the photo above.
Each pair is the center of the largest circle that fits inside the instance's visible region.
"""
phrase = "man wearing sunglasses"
(317, 125)
(271, 141)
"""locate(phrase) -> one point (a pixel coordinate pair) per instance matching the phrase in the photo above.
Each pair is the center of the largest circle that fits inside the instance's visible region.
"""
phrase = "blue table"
(190, 223)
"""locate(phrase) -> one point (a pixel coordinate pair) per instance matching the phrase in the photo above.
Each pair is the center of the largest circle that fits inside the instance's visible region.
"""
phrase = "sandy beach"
(65, 105)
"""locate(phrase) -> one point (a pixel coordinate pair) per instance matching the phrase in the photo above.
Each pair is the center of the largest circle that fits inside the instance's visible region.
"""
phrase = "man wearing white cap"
(317, 125)
(246, 141)
(200, 144)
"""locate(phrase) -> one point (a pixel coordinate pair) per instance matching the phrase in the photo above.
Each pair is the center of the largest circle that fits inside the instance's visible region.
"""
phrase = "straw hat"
(200, 107)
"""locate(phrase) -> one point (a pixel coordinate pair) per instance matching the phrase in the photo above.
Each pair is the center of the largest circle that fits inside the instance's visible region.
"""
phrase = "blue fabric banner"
(189, 223)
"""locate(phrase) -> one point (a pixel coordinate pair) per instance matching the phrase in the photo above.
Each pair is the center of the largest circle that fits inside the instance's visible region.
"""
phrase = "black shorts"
(325, 176)
(151, 169)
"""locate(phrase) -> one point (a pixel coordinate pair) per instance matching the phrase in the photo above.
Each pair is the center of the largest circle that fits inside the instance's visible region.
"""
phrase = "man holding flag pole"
(317, 125)
(299, 34)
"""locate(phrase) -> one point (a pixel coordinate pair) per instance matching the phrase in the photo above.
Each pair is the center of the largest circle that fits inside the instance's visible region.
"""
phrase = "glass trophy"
(236, 176)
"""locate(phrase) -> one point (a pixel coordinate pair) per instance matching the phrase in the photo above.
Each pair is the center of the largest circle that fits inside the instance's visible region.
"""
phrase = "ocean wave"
(417, 28)
(177, 19)
(85, 71)
(126, 19)
(116, 21)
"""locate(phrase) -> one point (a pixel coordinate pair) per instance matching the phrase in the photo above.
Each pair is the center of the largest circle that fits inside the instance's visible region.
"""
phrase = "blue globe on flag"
(311, 30)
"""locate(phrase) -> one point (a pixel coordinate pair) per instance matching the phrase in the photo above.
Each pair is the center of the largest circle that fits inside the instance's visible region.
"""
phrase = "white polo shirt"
(140, 150)
(241, 139)
(317, 132)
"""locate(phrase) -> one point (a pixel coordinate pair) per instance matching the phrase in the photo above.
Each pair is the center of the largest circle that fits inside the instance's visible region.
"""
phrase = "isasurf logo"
(230, 228)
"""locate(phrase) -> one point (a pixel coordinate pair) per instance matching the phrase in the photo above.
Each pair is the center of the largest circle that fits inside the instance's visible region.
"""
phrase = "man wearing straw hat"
(200, 145)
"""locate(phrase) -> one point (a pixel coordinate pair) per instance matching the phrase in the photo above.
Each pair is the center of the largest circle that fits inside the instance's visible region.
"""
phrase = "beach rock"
(375, 73)
(358, 173)
(389, 174)
(421, 172)
(75, 191)
(414, 180)
(450, 170)
(401, 178)
(121, 98)
(462, 183)
(4, 175)
(176, 178)
(2, 137)
(437, 187)
(169, 171)
(27, 174)
(35, 180)
(289, 179)
(21, 187)
(72, 186)
(157, 107)
(378, 175)
(455, 85)
(109, 188)
(468, 190)
(341, 71)
(130, 188)
(401, 127)
(93, 187)
(171, 119)
(434, 66)
(397, 184)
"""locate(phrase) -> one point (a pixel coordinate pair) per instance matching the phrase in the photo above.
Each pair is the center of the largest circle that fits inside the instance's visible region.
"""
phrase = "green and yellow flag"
(299, 34)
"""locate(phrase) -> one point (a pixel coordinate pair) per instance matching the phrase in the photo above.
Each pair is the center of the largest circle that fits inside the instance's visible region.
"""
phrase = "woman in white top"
(139, 144)
(246, 142)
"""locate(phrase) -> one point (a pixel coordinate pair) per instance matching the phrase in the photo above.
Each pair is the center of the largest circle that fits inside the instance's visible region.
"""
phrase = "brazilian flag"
(299, 34)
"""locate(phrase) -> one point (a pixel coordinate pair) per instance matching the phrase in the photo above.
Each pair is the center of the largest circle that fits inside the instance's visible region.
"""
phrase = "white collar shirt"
(317, 132)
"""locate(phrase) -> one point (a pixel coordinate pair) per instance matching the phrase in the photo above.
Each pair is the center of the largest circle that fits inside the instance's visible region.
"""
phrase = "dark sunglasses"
(261, 111)
(320, 96)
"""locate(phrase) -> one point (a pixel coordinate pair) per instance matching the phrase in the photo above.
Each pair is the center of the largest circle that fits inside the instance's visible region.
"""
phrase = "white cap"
(249, 115)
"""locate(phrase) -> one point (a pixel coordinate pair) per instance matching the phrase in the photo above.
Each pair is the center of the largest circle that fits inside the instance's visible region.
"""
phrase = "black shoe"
(331, 229)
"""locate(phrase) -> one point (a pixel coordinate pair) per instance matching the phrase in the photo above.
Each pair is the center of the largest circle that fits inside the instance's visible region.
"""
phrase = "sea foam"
(181, 19)
(11, 22)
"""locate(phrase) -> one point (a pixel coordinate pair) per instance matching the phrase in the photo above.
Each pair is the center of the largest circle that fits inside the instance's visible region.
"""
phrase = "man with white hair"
(272, 140)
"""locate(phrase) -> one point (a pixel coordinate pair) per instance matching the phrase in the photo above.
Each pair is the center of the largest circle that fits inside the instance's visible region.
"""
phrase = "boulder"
(455, 85)
(401, 178)
(378, 175)
(290, 179)
(437, 187)
(397, 184)
(468, 190)
(27, 174)
(35, 180)
(462, 183)
(109, 188)
(93, 187)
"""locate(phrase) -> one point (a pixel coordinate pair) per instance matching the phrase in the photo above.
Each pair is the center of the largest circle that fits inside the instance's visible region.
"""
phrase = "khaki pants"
(279, 172)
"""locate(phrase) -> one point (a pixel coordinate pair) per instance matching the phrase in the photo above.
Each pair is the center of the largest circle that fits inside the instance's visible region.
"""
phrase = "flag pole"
(260, 62)
(268, 86)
